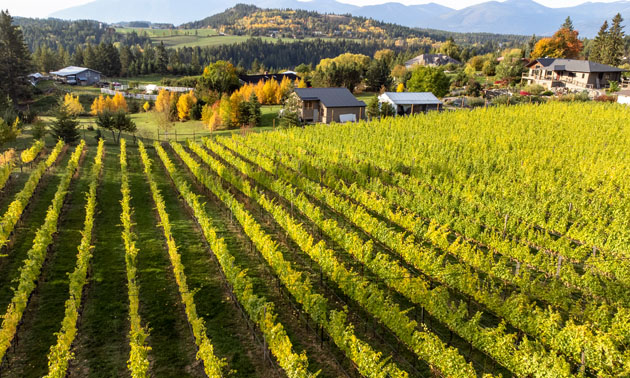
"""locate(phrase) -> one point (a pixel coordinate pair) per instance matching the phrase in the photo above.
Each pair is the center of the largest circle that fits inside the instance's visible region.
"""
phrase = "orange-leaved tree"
(563, 44)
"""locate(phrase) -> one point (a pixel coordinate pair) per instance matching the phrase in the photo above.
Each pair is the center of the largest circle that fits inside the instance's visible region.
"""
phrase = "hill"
(507, 17)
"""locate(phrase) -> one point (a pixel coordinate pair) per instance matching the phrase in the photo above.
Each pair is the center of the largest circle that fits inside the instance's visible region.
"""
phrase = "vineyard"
(482, 243)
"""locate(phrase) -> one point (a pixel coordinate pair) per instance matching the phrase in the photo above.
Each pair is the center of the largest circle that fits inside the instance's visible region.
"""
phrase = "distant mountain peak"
(508, 17)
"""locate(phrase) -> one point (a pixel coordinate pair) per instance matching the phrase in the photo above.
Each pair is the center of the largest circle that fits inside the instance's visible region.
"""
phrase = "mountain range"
(524, 17)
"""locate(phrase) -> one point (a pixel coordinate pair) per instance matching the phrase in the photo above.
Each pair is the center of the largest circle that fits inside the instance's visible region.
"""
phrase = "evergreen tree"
(598, 47)
(15, 60)
(615, 42)
(77, 57)
(568, 24)
(65, 125)
(161, 59)
(254, 112)
(378, 75)
(373, 110)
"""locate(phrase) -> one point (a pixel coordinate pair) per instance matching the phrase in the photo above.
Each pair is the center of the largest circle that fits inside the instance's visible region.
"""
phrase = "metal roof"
(574, 65)
(432, 59)
(330, 97)
(411, 98)
(71, 70)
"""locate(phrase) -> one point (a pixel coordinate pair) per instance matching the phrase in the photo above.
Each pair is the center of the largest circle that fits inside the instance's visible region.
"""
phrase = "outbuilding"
(328, 105)
(406, 103)
(623, 97)
(77, 75)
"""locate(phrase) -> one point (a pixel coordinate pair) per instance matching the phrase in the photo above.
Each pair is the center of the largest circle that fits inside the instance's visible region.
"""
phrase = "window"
(582, 76)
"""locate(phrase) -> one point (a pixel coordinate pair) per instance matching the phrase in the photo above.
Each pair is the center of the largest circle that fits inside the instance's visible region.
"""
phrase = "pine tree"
(15, 60)
(161, 59)
(65, 125)
(598, 47)
(615, 43)
(254, 111)
(568, 24)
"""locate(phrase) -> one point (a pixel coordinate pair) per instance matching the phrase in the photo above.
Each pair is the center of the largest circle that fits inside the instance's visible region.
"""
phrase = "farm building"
(571, 74)
(77, 75)
(328, 105)
(431, 60)
(254, 79)
(406, 103)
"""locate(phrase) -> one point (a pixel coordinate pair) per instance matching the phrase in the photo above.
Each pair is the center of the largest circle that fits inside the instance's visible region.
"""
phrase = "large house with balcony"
(573, 74)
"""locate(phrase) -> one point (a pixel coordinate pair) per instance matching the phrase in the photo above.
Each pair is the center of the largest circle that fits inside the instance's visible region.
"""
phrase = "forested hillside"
(54, 33)
(251, 20)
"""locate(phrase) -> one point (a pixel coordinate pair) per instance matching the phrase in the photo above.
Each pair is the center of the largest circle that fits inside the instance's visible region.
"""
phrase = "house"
(77, 75)
(405, 103)
(571, 74)
(254, 79)
(623, 97)
(432, 60)
(328, 105)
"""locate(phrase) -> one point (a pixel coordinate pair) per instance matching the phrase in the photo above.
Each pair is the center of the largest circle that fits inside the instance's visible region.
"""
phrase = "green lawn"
(169, 32)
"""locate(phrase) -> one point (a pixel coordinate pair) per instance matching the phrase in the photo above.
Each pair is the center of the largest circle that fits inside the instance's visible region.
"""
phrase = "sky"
(42, 8)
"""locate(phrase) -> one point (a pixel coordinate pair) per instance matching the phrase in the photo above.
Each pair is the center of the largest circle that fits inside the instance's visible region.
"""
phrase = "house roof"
(254, 79)
(574, 65)
(625, 93)
(411, 98)
(432, 59)
(71, 70)
(330, 97)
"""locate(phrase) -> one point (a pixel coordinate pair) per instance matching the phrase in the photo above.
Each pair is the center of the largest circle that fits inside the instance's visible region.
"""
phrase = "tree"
(65, 125)
(565, 43)
(373, 108)
(400, 87)
(72, 104)
(119, 103)
(598, 48)
(116, 122)
(9, 132)
(489, 67)
(219, 76)
(185, 105)
(254, 111)
(473, 88)
(161, 58)
(510, 69)
(15, 61)
(210, 116)
(346, 70)
(429, 79)
(451, 49)
(568, 24)
(377, 75)
(615, 42)
(290, 112)
(476, 62)
(146, 106)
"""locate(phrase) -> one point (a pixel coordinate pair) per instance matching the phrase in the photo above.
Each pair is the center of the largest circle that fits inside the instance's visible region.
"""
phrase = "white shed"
(623, 97)
(405, 103)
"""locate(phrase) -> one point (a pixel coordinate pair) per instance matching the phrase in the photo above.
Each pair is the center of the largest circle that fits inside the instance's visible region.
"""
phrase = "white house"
(405, 103)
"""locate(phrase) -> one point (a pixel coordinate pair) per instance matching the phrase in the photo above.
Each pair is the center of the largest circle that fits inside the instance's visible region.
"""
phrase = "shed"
(405, 103)
(328, 105)
(623, 97)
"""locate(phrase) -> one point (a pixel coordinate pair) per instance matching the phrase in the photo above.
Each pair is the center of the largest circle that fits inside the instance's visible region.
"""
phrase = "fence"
(153, 87)
(139, 96)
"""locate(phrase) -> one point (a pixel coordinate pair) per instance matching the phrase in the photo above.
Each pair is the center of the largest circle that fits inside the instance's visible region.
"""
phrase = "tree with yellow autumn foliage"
(107, 104)
(72, 104)
(185, 104)
(146, 106)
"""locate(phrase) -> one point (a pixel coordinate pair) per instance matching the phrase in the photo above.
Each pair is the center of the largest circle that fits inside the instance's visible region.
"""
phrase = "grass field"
(482, 243)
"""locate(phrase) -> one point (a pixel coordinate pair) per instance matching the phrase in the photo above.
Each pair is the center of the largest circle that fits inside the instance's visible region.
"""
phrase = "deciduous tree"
(429, 79)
